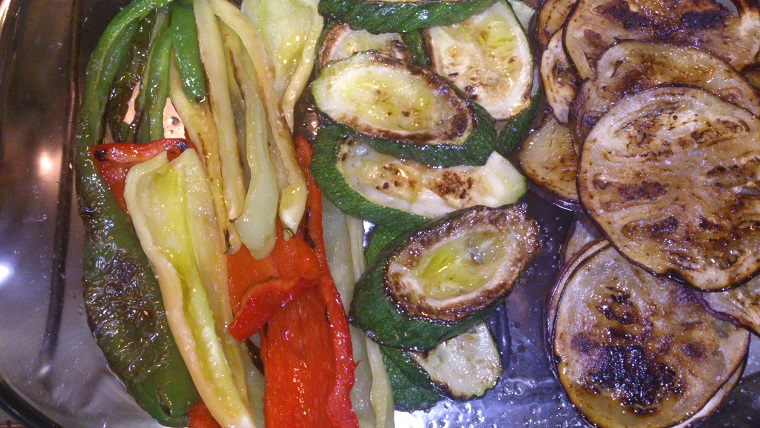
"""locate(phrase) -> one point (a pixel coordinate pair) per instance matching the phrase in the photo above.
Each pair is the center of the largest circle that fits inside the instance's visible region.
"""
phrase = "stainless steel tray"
(51, 371)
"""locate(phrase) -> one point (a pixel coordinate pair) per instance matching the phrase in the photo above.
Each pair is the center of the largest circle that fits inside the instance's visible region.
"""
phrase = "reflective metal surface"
(51, 371)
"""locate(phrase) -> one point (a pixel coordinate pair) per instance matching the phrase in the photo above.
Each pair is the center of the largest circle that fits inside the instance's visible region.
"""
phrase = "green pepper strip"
(187, 52)
(122, 297)
(126, 81)
(153, 88)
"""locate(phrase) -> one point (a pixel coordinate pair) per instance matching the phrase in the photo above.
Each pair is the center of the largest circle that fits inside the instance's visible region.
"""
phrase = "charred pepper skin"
(122, 298)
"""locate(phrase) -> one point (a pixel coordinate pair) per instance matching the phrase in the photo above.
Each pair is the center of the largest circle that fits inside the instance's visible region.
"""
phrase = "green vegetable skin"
(122, 298)
(412, 388)
(397, 17)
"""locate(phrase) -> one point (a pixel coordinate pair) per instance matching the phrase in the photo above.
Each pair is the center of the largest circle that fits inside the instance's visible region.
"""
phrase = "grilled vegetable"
(404, 110)
(548, 158)
(741, 303)
(582, 232)
(595, 25)
(465, 366)
(632, 349)
(551, 18)
(631, 67)
(412, 389)
(433, 283)
(399, 16)
(511, 132)
(121, 296)
(339, 41)
(488, 57)
(381, 188)
(559, 77)
(699, 226)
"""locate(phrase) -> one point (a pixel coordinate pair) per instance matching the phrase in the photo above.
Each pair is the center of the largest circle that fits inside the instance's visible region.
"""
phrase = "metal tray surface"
(52, 372)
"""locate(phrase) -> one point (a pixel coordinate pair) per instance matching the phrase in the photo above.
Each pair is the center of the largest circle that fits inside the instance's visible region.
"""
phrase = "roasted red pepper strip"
(200, 417)
(305, 346)
(114, 160)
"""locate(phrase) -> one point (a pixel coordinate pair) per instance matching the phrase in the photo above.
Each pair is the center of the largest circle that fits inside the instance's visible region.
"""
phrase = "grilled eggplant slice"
(633, 349)
(405, 110)
(561, 81)
(670, 175)
(631, 67)
(551, 18)
(741, 303)
(582, 232)
(488, 57)
(752, 74)
(548, 158)
(436, 282)
(729, 30)
(339, 41)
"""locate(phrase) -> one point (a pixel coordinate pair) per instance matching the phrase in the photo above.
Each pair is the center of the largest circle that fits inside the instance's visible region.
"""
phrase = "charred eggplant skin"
(396, 17)
(123, 302)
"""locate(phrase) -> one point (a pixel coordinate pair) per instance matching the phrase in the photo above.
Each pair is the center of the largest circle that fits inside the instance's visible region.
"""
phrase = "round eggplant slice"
(340, 41)
(670, 175)
(741, 303)
(752, 74)
(488, 57)
(729, 30)
(551, 18)
(633, 349)
(631, 67)
(561, 81)
(548, 158)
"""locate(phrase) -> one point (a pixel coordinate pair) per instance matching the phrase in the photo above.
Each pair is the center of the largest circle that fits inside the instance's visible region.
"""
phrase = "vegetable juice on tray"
(238, 275)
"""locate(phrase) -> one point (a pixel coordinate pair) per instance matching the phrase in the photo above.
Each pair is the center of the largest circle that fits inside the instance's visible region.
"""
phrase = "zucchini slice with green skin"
(339, 41)
(488, 57)
(465, 366)
(404, 110)
(511, 132)
(408, 186)
(438, 281)
(393, 16)
(411, 386)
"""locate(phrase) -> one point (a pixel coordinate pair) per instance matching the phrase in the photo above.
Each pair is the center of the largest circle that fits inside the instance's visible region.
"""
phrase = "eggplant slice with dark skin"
(631, 67)
(731, 33)
(560, 79)
(551, 17)
(669, 175)
(741, 303)
(633, 349)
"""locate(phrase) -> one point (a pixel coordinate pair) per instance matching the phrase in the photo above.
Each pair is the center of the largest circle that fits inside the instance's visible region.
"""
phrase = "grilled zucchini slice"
(730, 33)
(560, 79)
(631, 67)
(361, 180)
(438, 281)
(670, 175)
(548, 158)
(405, 110)
(395, 16)
(488, 57)
(411, 386)
(632, 349)
(339, 41)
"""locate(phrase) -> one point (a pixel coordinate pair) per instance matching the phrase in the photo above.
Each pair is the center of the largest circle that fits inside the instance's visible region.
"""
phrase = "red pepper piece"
(113, 161)
(200, 417)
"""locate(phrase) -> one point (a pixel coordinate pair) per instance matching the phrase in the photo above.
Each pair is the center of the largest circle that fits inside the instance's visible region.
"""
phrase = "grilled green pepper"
(123, 302)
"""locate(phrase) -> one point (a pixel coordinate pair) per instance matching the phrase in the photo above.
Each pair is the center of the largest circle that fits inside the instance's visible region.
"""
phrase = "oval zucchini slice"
(465, 366)
(408, 186)
(670, 175)
(404, 110)
(631, 67)
(394, 16)
(548, 159)
(488, 57)
(433, 283)
(339, 41)
(632, 349)
(731, 34)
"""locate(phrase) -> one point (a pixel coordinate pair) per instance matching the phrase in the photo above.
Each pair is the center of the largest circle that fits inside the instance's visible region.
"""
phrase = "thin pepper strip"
(121, 295)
